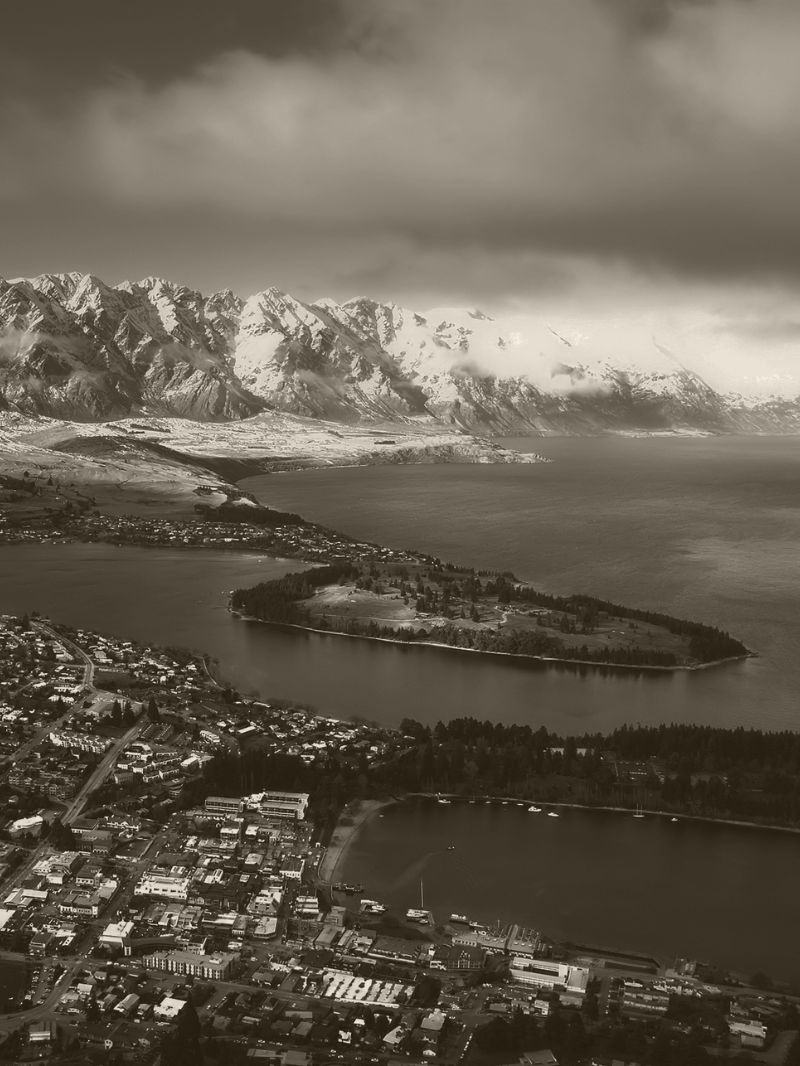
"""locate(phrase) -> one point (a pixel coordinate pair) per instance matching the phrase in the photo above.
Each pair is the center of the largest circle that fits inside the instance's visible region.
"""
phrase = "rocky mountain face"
(75, 348)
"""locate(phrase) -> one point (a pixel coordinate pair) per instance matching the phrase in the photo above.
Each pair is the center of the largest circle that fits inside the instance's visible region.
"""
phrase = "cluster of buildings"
(288, 539)
(55, 769)
(39, 679)
(149, 903)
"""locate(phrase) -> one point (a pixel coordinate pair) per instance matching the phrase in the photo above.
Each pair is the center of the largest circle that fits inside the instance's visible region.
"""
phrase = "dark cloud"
(509, 145)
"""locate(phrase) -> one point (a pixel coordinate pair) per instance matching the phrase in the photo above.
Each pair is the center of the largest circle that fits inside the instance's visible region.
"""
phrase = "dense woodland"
(450, 593)
(686, 769)
(690, 769)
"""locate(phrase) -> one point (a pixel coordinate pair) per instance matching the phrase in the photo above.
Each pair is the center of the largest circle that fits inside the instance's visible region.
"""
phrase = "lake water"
(718, 893)
(701, 528)
(707, 529)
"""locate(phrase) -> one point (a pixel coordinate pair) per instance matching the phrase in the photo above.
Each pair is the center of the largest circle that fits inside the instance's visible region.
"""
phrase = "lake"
(703, 528)
(698, 890)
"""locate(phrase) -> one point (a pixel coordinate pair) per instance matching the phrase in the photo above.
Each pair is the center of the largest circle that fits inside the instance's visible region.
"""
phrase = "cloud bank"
(505, 148)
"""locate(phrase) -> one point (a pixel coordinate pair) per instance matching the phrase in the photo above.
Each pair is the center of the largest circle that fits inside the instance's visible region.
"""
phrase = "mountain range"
(75, 348)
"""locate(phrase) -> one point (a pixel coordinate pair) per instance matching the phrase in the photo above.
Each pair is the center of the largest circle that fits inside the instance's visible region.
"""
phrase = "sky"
(594, 157)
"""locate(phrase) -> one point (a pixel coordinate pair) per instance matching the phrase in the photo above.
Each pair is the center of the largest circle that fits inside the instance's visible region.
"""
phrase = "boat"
(414, 914)
(461, 919)
(673, 819)
(371, 906)
(442, 799)
(451, 847)
(534, 810)
(639, 811)
(552, 814)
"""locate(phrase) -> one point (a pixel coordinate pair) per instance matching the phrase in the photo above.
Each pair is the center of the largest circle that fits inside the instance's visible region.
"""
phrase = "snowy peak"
(73, 346)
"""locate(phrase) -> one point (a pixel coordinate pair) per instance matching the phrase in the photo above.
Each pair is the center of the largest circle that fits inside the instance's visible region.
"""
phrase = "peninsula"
(418, 599)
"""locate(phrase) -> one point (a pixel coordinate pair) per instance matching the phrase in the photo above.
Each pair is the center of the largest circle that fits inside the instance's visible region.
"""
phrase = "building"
(751, 1033)
(163, 886)
(188, 964)
(291, 805)
(542, 973)
(117, 935)
(67, 738)
(223, 807)
(42, 1032)
(458, 957)
(646, 1000)
(42, 943)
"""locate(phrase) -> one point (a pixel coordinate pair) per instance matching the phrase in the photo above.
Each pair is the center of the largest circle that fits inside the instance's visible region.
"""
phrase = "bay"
(712, 892)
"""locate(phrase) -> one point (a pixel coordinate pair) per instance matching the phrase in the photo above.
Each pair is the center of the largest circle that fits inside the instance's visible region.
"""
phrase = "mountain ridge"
(74, 348)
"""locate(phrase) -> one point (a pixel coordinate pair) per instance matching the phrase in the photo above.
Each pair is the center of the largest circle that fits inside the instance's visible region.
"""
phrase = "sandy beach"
(352, 819)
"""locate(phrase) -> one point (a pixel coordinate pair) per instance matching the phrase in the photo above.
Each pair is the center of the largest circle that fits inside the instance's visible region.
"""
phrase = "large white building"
(163, 886)
(189, 964)
(542, 973)
(223, 807)
(279, 804)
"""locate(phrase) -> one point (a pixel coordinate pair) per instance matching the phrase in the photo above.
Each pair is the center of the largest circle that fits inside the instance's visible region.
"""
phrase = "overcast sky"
(504, 153)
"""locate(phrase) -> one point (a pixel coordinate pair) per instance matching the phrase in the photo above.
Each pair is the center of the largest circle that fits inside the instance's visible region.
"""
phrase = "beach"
(350, 822)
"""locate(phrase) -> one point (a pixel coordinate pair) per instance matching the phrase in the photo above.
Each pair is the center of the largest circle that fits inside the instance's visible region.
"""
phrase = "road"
(78, 652)
(24, 750)
(101, 771)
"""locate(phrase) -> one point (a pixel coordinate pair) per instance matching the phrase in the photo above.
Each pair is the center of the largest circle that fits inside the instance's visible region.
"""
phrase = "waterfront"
(709, 891)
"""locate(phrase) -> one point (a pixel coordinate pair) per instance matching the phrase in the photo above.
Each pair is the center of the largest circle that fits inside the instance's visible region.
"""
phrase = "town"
(240, 526)
(160, 877)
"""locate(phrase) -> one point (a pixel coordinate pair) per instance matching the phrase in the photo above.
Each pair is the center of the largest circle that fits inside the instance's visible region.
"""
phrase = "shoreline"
(546, 659)
(344, 835)
(737, 823)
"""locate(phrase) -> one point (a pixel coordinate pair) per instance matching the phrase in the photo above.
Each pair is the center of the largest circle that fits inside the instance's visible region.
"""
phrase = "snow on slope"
(73, 347)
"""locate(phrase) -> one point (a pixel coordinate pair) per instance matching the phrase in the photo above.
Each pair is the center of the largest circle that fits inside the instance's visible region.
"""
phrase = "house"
(43, 1032)
(42, 943)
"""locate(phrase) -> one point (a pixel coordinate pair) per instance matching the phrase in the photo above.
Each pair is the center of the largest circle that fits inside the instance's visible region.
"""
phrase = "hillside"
(77, 349)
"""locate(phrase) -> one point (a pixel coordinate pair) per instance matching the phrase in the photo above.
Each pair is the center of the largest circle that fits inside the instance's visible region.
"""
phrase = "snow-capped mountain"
(73, 347)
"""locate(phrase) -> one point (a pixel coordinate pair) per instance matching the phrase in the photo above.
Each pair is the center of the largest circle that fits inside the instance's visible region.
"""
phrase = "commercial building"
(223, 807)
(542, 973)
(272, 804)
(163, 886)
(189, 964)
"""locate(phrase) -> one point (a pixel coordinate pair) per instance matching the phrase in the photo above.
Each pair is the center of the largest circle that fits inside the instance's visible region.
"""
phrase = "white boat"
(442, 799)
(639, 811)
(372, 906)
(534, 810)
(552, 814)
(461, 918)
(673, 819)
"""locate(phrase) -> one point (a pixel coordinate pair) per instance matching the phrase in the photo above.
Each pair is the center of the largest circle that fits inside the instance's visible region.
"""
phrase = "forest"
(705, 771)
(685, 769)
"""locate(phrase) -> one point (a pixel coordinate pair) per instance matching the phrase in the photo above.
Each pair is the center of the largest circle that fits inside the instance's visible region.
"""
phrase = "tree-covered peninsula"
(419, 599)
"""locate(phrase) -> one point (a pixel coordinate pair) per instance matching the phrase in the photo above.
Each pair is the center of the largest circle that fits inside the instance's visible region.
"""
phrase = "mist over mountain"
(73, 347)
